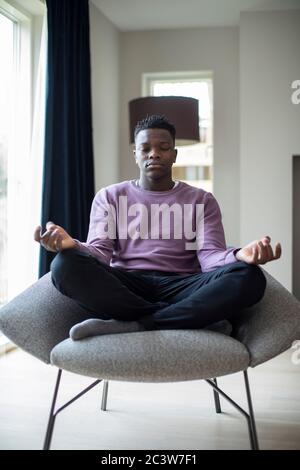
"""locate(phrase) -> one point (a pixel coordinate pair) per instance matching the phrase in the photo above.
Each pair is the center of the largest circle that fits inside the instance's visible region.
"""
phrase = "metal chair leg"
(249, 416)
(104, 395)
(52, 415)
(217, 399)
(213, 383)
(251, 412)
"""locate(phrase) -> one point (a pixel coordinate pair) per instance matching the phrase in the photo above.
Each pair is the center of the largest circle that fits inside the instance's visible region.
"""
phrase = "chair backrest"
(269, 327)
(39, 318)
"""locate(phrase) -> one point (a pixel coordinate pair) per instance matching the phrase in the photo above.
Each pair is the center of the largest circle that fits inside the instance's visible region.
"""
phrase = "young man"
(155, 256)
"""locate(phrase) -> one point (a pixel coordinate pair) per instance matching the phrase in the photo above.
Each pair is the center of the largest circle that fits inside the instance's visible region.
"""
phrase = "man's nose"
(154, 153)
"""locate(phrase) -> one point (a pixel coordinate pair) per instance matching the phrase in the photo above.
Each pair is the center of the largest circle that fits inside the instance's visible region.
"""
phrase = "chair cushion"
(153, 356)
(223, 326)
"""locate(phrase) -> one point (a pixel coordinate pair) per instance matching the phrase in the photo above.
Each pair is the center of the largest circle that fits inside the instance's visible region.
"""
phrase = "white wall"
(213, 49)
(104, 38)
(270, 129)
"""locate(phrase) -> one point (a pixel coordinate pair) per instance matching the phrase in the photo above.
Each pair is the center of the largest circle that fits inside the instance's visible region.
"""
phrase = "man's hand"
(259, 252)
(55, 238)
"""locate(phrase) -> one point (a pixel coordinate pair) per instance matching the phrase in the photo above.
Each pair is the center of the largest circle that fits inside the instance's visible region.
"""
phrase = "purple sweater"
(179, 230)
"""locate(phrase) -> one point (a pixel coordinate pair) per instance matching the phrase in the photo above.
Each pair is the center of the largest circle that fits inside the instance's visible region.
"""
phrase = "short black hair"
(156, 121)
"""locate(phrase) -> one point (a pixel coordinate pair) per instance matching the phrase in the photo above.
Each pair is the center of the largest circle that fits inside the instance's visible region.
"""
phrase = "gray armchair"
(39, 320)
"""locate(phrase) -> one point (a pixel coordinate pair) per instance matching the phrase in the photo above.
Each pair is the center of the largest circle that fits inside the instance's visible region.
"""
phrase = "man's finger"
(270, 252)
(46, 236)
(47, 246)
(50, 225)
(262, 252)
(50, 229)
(255, 254)
(57, 242)
(52, 242)
(278, 251)
(37, 233)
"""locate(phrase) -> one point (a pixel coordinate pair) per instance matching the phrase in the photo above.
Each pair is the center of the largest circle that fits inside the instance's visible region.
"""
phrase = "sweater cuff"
(80, 246)
(230, 257)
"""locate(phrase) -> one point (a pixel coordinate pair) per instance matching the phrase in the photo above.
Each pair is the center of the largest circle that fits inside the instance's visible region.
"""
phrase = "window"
(7, 34)
(16, 85)
(194, 162)
(22, 101)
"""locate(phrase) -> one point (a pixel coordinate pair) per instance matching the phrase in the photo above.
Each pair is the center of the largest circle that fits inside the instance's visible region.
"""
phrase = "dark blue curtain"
(68, 180)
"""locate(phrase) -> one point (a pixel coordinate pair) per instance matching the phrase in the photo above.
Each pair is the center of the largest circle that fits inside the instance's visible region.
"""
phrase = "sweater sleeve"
(102, 229)
(213, 253)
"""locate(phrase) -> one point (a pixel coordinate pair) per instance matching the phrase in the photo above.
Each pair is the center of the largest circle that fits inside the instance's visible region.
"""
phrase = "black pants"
(157, 299)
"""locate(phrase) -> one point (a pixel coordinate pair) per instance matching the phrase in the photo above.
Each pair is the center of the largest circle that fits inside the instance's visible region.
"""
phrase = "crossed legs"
(151, 300)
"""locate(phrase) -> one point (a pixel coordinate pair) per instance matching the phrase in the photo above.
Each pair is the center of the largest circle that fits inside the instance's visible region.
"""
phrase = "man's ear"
(175, 155)
(134, 153)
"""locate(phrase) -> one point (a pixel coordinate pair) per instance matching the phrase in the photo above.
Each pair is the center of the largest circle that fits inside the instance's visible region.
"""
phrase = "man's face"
(154, 152)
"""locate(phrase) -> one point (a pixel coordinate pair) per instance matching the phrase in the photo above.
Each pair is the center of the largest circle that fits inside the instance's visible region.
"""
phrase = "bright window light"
(6, 119)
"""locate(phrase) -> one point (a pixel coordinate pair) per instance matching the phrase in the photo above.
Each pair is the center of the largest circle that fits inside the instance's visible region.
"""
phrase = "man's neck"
(156, 185)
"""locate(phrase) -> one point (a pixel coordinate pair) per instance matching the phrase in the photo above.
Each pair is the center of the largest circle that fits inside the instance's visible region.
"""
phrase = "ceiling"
(134, 15)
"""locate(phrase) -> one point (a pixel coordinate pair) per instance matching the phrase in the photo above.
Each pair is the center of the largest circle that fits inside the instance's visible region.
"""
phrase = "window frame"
(188, 76)
(24, 55)
(149, 79)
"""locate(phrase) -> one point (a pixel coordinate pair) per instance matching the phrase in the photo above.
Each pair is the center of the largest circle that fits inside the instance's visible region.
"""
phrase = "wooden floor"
(147, 416)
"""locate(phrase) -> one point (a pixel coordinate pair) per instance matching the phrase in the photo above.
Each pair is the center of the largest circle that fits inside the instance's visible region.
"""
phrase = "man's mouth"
(153, 164)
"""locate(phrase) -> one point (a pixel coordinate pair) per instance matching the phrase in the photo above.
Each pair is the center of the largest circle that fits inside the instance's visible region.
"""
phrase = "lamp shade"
(179, 110)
